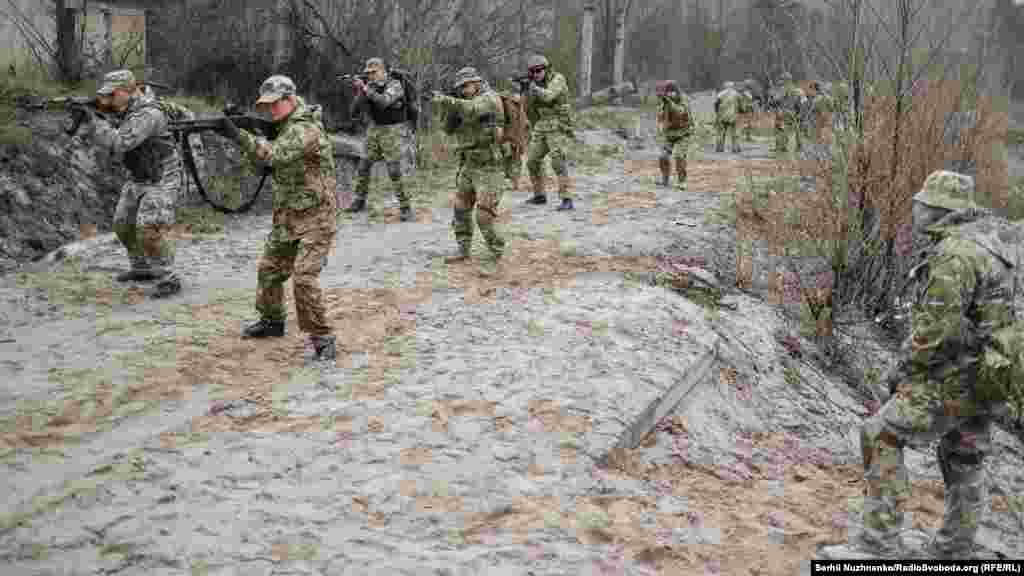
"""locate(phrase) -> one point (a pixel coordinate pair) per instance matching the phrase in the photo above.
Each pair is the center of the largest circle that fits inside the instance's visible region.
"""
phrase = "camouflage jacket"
(964, 291)
(674, 119)
(302, 158)
(383, 102)
(727, 105)
(140, 139)
(792, 100)
(549, 109)
(822, 103)
(477, 138)
(746, 105)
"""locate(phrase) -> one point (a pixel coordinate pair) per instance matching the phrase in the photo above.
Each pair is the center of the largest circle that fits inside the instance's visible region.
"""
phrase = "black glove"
(229, 130)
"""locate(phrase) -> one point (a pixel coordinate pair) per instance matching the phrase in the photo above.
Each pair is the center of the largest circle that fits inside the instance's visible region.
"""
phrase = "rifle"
(350, 78)
(74, 105)
(523, 82)
(182, 129)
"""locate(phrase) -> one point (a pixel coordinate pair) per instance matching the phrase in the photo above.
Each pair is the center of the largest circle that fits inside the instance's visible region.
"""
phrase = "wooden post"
(586, 49)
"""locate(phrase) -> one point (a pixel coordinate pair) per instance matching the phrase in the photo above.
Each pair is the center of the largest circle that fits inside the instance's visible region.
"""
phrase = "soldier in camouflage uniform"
(727, 104)
(746, 109)
(384, 101)
(822, 106)
(965, 288)
(673, 131)
(841, 102)
(302, 159)
(787, 117)
(551, 130)
(481, 179)
(145, 212)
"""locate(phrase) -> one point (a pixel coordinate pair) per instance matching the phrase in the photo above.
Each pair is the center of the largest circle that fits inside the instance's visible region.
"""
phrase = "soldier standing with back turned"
(727, 104)
(551, 130)
(673, 131)
(482, 174)
(384, 100)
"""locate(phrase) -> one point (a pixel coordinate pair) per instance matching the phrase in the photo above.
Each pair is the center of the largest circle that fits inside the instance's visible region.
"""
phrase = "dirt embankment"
(53, 189)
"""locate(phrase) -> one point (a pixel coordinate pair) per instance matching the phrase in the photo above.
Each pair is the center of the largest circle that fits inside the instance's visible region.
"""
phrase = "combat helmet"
(465, 75)
(947, 190)
(537, 61)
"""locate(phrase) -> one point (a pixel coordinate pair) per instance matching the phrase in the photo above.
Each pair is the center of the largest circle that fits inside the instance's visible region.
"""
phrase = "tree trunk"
(620, 45)
(68, 58)
(586, 49)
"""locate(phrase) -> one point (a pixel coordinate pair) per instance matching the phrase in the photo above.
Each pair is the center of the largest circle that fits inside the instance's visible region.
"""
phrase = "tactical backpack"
(517, 127)
(410, 98)
(675, 120)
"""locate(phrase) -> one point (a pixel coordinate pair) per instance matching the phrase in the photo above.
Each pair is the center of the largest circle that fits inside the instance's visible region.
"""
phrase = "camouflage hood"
(307, 112)
(1000, 237)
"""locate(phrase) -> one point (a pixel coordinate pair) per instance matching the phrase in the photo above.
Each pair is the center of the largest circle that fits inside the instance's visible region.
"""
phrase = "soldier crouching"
(302, 159)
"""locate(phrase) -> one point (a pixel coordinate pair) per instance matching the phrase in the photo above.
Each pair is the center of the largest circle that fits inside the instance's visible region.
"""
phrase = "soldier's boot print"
(539, 196)
(462, 225)
(665, 165)
(681, 174)
(565, 192)
(324, 348)
(264, 329)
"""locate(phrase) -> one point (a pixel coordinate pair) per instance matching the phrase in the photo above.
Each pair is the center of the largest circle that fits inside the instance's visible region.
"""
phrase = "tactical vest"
(145, 162)
(675, 119)
(556, 109)
(394, 114)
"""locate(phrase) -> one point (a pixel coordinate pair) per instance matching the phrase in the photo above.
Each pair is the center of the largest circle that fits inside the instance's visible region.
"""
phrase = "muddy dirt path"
(455, 434)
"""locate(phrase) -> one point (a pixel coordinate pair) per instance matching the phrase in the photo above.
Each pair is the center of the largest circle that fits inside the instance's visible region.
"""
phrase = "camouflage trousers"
(480, 185)
(301, 258)
(727, 129)
(917, 415)
(143, 220)
(556, 144)
(674, 148)
(383, 143)
(787, 123)
(746, 122)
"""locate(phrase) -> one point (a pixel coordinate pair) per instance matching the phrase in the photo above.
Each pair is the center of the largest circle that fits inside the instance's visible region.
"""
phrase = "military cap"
(948, 190)
(467, 74)
(116, 79)
(537, 61)
(728, 85)
(374, 63)
(786, 76)
(275, 88)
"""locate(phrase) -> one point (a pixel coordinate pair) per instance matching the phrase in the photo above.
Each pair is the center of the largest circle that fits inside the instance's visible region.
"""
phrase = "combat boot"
(167, 287)
(565, 205)
(539, 197)
(665, 166)
(461, 256)
(358, 205)
(137, 275)
(324, 348)
(405, 214)
(264, 329)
